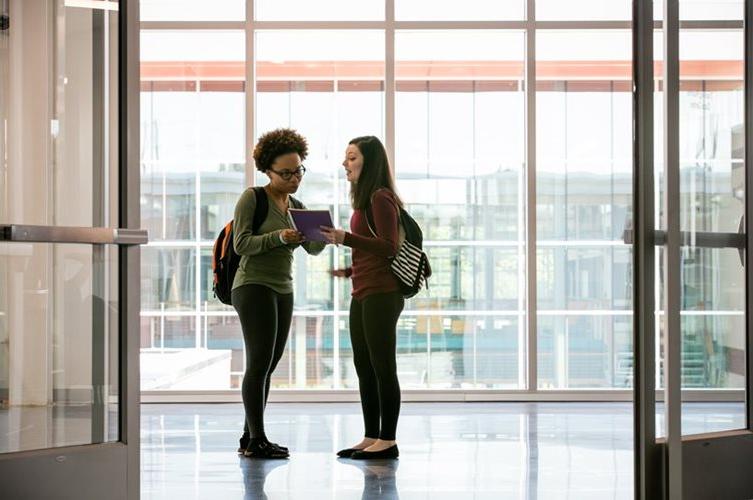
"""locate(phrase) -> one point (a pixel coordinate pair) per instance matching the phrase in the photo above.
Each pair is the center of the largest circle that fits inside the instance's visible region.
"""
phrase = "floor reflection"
(255, 473)
(378, 477)
(447, 451)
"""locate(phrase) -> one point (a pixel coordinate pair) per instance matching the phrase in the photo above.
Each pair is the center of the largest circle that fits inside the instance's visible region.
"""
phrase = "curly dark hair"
(276, 143)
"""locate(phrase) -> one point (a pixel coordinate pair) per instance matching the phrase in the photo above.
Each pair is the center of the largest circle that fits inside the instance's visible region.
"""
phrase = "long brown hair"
(375, 172)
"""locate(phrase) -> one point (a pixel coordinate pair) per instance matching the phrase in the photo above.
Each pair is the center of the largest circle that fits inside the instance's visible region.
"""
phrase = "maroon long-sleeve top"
(370, 269)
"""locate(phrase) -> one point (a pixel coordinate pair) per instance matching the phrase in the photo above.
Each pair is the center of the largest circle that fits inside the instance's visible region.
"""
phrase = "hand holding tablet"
(309, 222)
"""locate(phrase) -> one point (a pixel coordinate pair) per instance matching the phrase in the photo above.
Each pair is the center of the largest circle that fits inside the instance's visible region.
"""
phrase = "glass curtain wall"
(446, 87)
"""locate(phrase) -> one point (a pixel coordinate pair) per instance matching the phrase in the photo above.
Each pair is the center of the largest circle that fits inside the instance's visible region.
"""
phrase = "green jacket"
(265, 260)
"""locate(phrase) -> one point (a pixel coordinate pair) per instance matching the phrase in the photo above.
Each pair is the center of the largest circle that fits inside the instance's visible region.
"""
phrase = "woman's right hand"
(291, 236)
(339, 273)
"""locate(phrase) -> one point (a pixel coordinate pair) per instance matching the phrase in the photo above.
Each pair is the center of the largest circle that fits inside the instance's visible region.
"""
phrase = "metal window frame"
(646, 467)
(443, 395)
(129, 257)
(672, 340)
(748, 255)
(530, 26)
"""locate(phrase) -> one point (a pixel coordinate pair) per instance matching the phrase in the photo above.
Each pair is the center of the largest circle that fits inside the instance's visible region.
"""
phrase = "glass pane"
(713, 357)
(460, 141)
(475, 278)
(58, 166)
(469, 279)
(584, 10)
(412, 353)
(711, 130)
(321, 10)
(449, 10)
(168, 280)
(59, 139)
(486, 206)
(312, 81)
(223, 334)
(218, 193)
(185, 46)
(705, 10)
(193, 170)
(192, 10)
(440, 351)
(58, 345)
(701, 418)
(594, 351)
(712, 192)
(169, 362)
(584, 196)
(459, 134)
(467, 352)
(584, 278)
(308, 360)
(192, 115)
(313, 284)
(711, 9)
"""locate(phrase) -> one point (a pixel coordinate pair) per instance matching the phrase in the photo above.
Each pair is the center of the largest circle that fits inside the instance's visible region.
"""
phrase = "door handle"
(75, 235)
(703, 239)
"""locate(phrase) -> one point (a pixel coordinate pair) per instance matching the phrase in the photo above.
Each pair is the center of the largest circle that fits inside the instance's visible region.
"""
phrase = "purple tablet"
(309, 221)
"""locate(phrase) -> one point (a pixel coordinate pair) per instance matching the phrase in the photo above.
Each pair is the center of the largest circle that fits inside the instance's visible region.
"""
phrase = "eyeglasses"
(287, 174)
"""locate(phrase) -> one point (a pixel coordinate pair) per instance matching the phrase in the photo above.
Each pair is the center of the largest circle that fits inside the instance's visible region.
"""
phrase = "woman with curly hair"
(262, 291)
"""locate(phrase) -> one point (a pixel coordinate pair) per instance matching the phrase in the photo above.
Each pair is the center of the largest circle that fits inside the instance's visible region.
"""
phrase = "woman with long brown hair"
(376, 301)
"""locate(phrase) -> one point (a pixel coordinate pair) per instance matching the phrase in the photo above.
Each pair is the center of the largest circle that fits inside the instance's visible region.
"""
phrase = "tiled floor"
(448, 451)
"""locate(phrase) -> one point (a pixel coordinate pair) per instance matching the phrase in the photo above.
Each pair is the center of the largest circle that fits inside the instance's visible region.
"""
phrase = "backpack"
(225, 261)
(410, 265)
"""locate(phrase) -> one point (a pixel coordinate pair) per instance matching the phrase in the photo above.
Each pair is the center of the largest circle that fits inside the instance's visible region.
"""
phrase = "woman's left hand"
(332, 235)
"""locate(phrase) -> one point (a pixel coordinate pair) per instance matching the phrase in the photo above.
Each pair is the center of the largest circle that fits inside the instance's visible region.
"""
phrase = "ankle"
(365, 443)
(380, 445)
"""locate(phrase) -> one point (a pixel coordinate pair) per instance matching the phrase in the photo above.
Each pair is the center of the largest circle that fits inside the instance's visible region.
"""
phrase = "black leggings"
(373, 334)
(265, 319)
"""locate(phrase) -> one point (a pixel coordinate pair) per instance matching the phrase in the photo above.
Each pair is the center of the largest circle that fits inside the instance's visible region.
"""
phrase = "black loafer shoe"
(347, 452)
(279, 447)
(388, 453)
(258, 448)
(243, 444)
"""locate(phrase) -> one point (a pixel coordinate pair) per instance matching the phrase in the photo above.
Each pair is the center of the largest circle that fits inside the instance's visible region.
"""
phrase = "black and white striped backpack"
(411, 265)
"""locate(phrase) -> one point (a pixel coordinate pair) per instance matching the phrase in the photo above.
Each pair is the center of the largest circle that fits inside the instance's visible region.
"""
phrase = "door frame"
(693, 466)
(105, 470)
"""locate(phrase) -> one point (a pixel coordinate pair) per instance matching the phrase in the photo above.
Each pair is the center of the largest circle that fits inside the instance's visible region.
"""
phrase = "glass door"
(68, 249)
(692, 270)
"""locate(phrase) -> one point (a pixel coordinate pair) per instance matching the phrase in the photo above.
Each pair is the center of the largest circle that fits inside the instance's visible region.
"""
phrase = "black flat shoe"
(243, 444)
(258, 448)
(280, 447)
(388, 453)
(347, 452)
